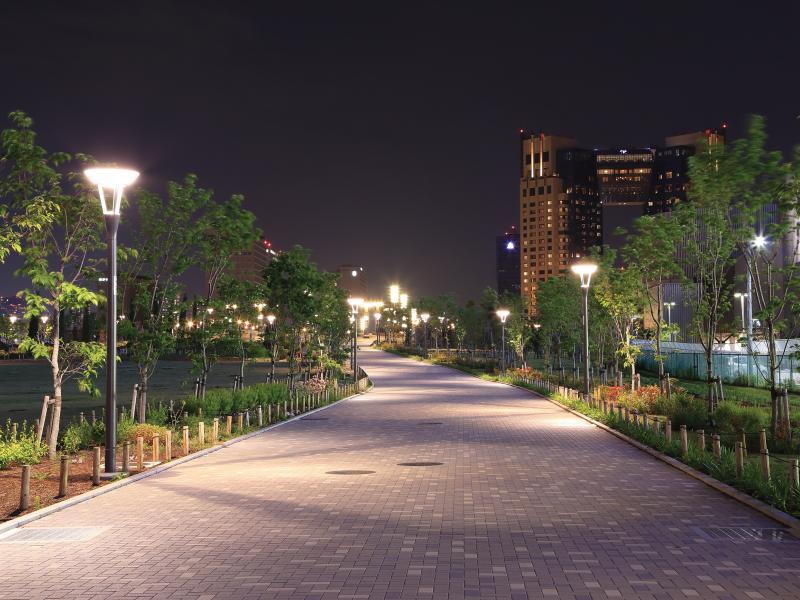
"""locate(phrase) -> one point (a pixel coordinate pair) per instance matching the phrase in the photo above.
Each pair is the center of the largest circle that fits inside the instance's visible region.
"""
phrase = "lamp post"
(741, 297)
(503, 314)
(116, 180)
(585, 270)
(377, 317)
(355, 303)
(273, 344)
(425, 317)
(669, 306)
(757, 243)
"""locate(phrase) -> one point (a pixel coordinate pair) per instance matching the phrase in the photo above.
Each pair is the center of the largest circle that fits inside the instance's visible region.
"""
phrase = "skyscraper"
(507, 253)
(249, 265)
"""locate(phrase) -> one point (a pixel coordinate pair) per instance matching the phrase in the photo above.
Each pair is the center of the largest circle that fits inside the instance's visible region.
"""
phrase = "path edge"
(754, 503)
(17, 522)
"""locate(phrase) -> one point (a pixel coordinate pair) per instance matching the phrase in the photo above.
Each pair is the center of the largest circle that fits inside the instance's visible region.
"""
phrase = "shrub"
(128, 431)
(79, 436)
(683, 409)
(20, 448)
(730, 418)
(226, 402)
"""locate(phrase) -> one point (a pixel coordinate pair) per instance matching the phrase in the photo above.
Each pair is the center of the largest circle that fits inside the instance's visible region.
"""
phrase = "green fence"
(741, 369)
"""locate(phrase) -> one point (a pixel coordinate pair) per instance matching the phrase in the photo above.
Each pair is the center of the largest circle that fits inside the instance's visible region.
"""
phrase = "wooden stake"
(42, 420)
(762, 442)
(201, 433)
(168, 445)
(25, 488)
(716, 447)
(269, 414)
(96, 466)
(684, 441)
(739, 459)
(636, 417)
(228, 424)
(701, 439)
(185, 440)
(239, 422)
(260, 416)
(126, 457)
(156, 448)
(743, 440)
(140, 453)
(215, 430)
(63, 482)
(794, 475)
(645, 422)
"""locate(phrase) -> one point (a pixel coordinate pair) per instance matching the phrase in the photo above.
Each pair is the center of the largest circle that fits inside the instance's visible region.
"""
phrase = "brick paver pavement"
(529, 502)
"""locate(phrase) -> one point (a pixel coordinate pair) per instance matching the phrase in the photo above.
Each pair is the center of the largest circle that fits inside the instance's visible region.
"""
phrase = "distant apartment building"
(353, 280)
(572, 198)
(507, 261)
(249, 265)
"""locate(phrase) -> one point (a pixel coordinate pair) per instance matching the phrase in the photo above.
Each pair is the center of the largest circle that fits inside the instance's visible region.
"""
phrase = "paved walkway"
(530, 502)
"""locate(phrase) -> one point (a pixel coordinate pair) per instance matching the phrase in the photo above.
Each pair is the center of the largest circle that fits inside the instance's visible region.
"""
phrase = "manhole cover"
(431, 423)
(349, 472)
(314, 418)
(420, 464)
(745, 534)
(50, 534)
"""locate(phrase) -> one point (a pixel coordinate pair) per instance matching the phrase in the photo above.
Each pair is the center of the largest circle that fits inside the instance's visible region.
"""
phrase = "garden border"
(769, 511)
(17, 522)
(792, 523)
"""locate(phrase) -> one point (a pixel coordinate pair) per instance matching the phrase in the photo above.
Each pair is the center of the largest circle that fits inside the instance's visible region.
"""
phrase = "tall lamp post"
(669, 306)
(585, 270)
(116, 180)
(425, 317)
(503, 314)
(741, 297)
(355, 303)
(377, 317)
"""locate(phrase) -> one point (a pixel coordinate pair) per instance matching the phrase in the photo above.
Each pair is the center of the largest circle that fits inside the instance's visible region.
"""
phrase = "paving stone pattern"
(530, 502)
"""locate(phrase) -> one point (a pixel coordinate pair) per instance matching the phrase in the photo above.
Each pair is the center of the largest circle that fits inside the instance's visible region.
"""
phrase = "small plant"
(19, 446)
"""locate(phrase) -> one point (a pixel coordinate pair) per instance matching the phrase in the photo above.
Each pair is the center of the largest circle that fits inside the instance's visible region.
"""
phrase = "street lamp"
(403, 300)
(741, 296)
(669, 306)
(355, 303)
(394, 293)
(758, 242)
(116, 180)
(503, 314)
(425, 316)
(377, 317)
(585, 270)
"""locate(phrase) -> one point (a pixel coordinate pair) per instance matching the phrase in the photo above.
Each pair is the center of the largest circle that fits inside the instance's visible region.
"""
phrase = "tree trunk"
(55, 420)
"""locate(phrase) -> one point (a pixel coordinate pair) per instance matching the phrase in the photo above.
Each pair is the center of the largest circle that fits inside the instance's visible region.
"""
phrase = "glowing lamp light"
(113, 179)
(270, 319)
(425, 317)
(403, 300)
(759, 241)
(354, 273)
(13, 319)
(584, 270)
(377, 316)
(503, 314)
(413, 314)
(45, 319)
(510, 245)
(394, 293)
(355, 302)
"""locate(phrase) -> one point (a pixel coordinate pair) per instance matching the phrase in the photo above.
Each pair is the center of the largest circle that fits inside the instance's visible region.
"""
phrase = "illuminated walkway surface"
(529, 502)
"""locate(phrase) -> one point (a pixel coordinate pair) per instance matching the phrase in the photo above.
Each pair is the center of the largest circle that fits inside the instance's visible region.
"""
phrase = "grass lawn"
(23, 384)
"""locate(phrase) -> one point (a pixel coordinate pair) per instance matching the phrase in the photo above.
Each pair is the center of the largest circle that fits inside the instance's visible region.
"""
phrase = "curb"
(769, 511)
(785, 519)
(7, 526)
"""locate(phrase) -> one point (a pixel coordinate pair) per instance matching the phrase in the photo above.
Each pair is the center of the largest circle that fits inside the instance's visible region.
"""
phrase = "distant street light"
(394, 293)
(355, 303)
(503, 314)
(116, 180)
(669, 306)
(585, 270)
(403, 300)
(377, 317)
(425, 317)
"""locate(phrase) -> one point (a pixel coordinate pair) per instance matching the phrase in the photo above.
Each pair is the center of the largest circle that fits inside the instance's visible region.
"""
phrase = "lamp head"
(271, 319)
(759, 241)
(503, 314)
(394, 293)
(425, 317)
(355, 302)
(584, 270)
(112, 179)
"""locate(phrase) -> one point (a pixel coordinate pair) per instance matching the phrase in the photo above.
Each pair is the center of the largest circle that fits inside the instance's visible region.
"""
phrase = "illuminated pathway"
(529, 501)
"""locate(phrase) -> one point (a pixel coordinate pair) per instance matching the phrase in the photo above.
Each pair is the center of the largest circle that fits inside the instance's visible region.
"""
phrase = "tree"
(765, 197)
(558, 310)
(706, 257)
(225, 229)
(519, 329)
(244, 301)
(166, 241)
(619, 292)
(651, 249)
(488, 305)
(57, 252)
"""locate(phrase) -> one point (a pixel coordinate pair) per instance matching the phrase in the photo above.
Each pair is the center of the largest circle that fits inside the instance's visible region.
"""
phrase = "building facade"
(507, 262)
(249, 265)
(573, 198)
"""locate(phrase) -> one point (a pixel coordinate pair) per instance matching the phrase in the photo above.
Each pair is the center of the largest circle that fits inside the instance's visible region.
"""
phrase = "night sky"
(386, 134)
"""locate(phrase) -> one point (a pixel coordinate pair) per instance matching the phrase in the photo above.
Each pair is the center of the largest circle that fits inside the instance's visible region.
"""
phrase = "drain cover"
(745, 534)
(50, 534)
(349, 472)
(419, 464)
(314, 418)
(431, 423)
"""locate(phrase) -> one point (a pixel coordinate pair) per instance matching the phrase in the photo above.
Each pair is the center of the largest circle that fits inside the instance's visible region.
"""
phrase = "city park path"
(529, 501)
